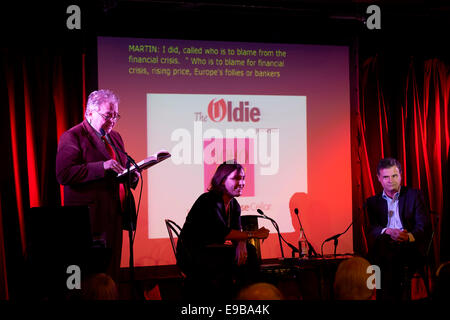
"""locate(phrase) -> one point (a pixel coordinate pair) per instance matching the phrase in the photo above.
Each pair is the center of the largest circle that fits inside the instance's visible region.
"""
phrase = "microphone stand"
(280, 237)
(131, 226)
(278, 232)
(335, 238)
(128, 212)
(311, 251)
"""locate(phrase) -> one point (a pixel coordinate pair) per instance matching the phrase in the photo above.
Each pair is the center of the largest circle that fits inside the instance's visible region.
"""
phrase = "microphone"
(335, 238)
(276, 228)
(262, 213)
(130, 159)
(280, 237)
(275, 224)
(296, 213)
(311, 250)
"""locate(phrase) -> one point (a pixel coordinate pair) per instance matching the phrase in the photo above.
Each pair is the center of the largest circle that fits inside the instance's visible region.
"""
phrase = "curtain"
(403, 113)
(41, 97)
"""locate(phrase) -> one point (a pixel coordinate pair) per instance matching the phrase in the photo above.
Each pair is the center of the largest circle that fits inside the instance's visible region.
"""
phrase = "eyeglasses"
(115, 117)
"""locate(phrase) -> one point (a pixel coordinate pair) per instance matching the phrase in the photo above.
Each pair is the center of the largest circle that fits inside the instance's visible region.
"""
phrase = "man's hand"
(398, 235)
(113, 165)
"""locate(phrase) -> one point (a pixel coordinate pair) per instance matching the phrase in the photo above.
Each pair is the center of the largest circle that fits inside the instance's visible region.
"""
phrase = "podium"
(250, 223)
(59, 237)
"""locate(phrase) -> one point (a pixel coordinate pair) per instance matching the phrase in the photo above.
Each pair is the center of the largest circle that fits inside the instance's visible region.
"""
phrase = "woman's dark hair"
(222, 172)
(388, 163)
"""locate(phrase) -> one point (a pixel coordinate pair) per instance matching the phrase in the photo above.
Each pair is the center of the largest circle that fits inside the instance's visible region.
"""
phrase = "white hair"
(96, 98)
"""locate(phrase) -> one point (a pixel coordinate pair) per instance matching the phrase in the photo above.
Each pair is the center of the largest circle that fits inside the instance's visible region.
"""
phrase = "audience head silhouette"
(350, 281)
(99, 286)
(260, 291)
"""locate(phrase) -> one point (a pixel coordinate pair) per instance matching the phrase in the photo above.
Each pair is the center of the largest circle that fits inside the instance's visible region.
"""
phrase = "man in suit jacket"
(398, 225)
(89, 157)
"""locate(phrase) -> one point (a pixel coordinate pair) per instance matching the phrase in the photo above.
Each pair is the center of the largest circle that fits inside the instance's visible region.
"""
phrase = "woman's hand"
(261, 233)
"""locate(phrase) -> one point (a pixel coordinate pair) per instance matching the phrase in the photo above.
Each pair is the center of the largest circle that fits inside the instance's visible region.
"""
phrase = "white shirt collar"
(396, 195)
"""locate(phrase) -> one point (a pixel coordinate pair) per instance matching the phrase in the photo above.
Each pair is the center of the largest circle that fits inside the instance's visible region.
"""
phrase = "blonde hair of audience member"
(99, 286)
(260, 291)
(442, 282)
(350, 282)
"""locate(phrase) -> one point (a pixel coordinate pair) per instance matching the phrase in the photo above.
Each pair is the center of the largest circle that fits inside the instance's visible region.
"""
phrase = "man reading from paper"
(89, 157)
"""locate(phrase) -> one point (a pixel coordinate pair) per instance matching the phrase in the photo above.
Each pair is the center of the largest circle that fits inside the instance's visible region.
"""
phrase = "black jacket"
(413, 212)
(206, 224)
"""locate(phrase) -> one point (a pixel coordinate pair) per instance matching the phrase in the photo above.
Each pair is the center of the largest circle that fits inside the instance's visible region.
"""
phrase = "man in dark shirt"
(398, 228)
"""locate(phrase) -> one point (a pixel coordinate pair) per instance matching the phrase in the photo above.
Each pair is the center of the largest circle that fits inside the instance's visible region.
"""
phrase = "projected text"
(177, 61)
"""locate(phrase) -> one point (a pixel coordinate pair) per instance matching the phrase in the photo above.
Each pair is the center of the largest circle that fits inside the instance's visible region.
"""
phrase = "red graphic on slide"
(217, 110)
(218, 150)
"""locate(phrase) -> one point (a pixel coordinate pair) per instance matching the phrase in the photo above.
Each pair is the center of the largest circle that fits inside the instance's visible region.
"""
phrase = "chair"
(424, 272)
(442, 281)
(427, 271)
(172, 228)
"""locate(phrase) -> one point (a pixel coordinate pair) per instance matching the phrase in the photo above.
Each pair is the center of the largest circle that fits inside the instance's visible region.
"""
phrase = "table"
(303, 279)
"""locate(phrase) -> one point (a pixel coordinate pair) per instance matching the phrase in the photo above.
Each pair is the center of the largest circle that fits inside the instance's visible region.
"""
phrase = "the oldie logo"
(220, 110)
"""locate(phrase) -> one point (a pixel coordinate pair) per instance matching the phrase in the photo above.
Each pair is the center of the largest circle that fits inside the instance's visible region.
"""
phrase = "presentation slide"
(281, 110)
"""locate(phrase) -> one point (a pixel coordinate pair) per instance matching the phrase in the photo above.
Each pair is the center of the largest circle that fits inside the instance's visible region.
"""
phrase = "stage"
(309, 279)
